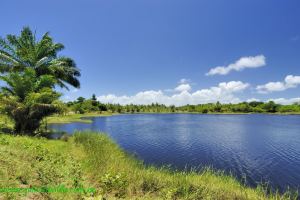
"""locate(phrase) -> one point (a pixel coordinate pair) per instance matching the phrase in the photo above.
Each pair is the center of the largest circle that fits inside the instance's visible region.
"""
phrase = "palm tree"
(28, 98)
(31, 68)
(20, 52)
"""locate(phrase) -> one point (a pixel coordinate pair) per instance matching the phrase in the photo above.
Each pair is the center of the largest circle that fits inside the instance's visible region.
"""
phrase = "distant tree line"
(82, 105)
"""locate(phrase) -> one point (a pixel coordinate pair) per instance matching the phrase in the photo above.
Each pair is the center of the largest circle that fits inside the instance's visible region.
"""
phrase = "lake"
(252, 147)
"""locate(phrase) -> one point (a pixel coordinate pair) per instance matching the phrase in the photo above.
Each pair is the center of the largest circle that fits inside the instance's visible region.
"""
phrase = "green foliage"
(6, 123)
(27, 99)
(83, 118)
(289, 108)
(39, 163)
(83, 105)
(114, 183)
(18, 53)
(31, 69)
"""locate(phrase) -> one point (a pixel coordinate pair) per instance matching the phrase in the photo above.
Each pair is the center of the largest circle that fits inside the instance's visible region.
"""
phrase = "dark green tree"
(218, 107)
(80, 99)
(94, 97)
(28, 98)
(95, 103)
(271, 107)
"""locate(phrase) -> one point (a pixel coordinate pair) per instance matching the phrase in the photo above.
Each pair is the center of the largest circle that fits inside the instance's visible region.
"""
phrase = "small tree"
(27, 99)
(80, 99)
(271, 107)
(95, 103)
(218, 107)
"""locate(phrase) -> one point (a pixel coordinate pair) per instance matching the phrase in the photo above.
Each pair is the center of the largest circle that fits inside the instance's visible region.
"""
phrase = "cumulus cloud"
(285, 101)
(242, 63)
(290, 81)
(183, 87)
(223, 92)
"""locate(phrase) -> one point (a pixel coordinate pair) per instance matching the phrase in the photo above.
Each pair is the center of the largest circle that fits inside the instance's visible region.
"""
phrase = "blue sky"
(138, 51)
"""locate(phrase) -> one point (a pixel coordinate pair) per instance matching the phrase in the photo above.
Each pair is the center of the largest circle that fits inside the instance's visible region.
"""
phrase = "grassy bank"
(69, 118)
(91, 160)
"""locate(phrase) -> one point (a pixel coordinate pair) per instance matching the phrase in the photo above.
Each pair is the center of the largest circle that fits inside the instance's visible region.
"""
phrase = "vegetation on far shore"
(83, 105)
(81, 109)
(93, 160)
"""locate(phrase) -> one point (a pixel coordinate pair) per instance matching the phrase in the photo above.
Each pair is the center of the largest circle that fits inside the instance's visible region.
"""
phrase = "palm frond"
(5, 67)
(7, 90)
(13, 41)
(42, 61)
(4, 45)
(4, 56)
(27, 38)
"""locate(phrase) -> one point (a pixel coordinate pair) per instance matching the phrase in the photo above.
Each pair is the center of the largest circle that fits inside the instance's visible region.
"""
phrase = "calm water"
(258, 147)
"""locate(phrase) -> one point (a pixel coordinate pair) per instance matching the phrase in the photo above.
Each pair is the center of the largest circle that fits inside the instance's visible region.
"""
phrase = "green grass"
(69, 118)
(90, 159)
(5, 122)
(31, 162)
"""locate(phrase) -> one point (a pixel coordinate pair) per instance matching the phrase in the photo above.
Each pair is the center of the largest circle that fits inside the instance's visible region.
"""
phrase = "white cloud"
(242, 63)
(290, 81)
(271, 87)
(183, 87)
(224, 92)
(233, 86)
(252, 99)
(285, 101)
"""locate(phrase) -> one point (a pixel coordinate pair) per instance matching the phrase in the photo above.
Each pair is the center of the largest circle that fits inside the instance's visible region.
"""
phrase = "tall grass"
(27, 162)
